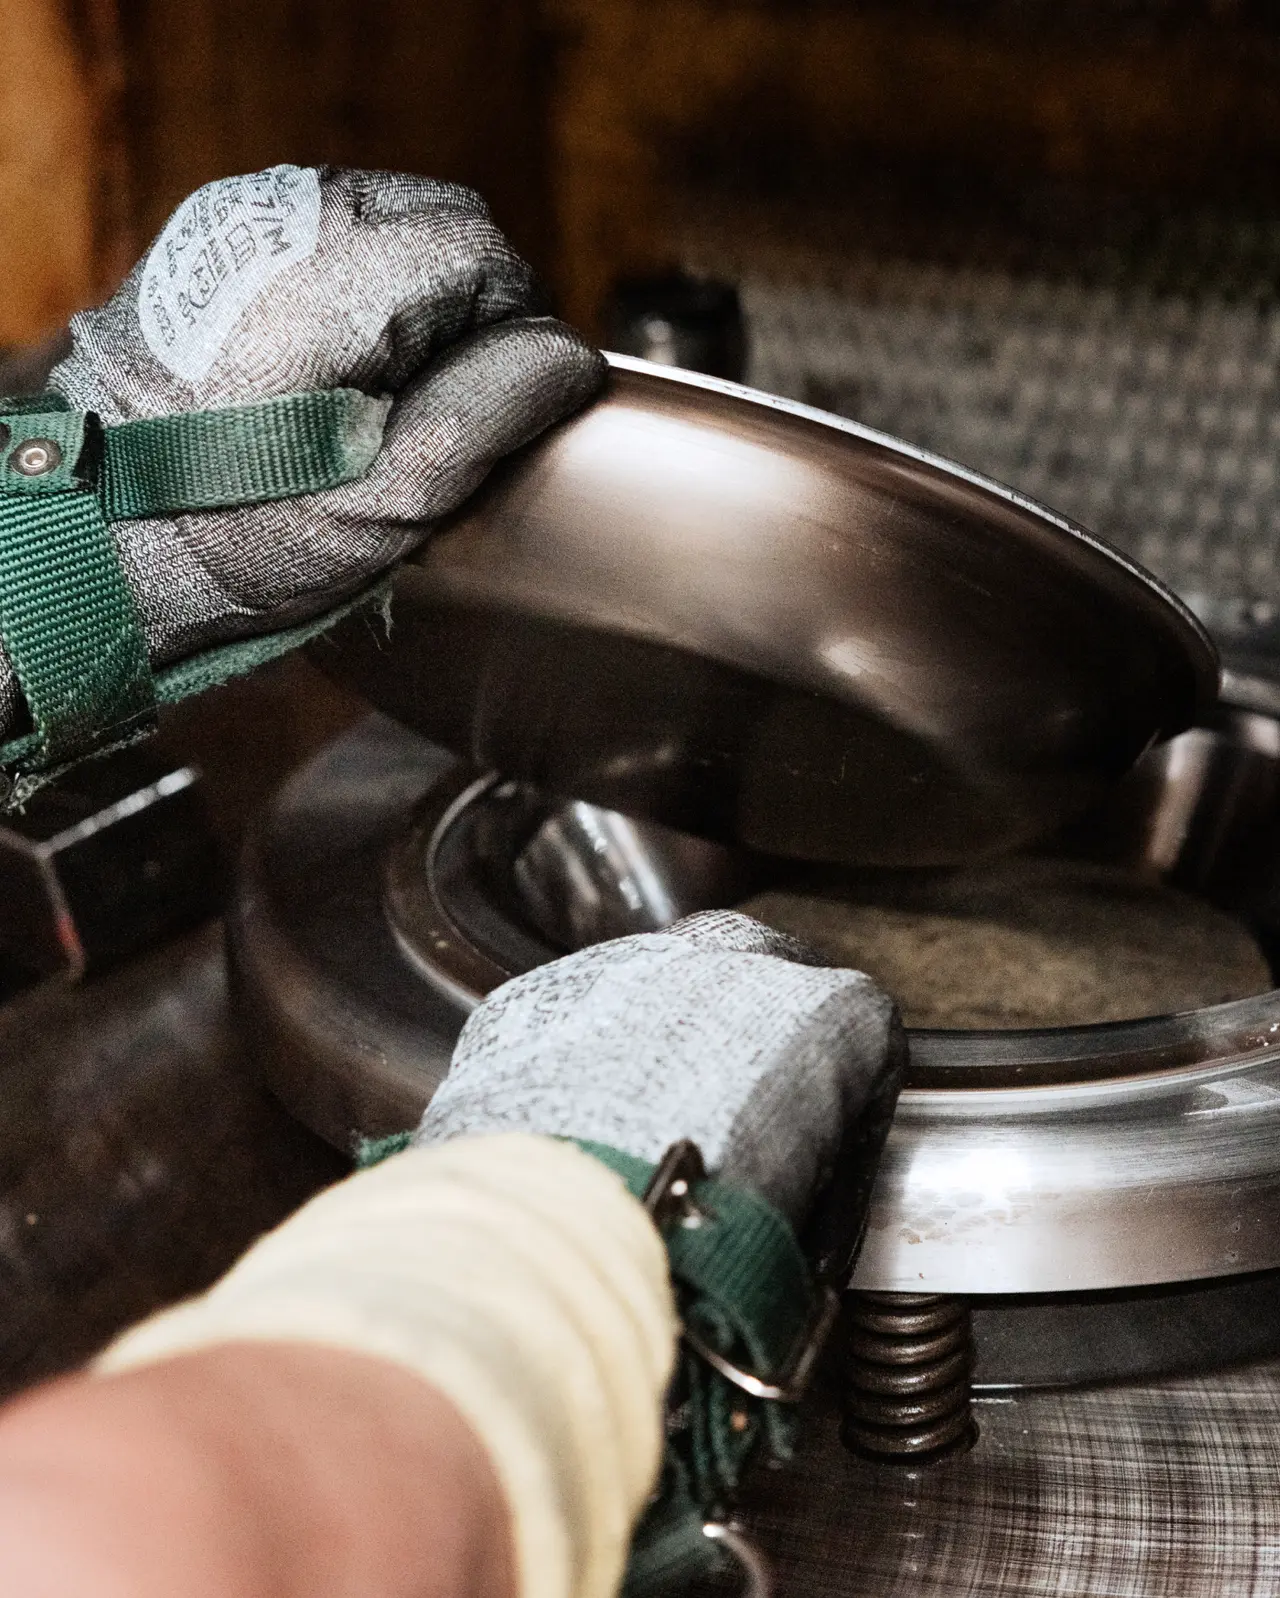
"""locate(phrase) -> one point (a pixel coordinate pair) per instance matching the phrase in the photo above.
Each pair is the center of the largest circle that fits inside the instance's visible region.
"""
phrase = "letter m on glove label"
(217, 253)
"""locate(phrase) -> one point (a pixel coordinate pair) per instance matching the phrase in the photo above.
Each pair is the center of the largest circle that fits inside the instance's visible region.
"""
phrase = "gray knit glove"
(294, 279)
(720, 1030)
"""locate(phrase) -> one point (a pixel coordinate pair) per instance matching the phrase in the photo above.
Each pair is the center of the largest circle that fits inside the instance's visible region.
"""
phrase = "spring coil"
(909, 1363)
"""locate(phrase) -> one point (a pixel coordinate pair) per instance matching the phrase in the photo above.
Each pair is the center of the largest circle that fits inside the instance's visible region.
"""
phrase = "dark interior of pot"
(1164, 900)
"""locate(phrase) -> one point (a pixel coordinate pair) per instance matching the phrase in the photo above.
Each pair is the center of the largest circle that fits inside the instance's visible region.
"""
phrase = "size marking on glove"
(217, 253)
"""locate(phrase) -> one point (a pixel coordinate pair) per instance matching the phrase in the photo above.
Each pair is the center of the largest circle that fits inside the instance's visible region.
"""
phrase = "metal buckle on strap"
(730, 1536)
(794, 1379)
(669, 1197)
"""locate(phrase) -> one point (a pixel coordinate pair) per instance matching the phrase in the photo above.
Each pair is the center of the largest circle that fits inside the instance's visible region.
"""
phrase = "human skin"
(252, 1470)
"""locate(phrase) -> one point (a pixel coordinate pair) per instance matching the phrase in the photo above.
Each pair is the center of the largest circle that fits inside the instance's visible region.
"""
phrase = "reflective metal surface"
(587, 874)
(570, 874)
(1019, 1162)
(756, 622)
(340, 1023)
(1049, 1189)
(1154, 1490)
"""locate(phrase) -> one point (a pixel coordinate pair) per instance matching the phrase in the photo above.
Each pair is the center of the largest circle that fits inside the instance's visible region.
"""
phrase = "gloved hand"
(726, 1033)
(296, 279)
(719, 1030)
(516, 1275)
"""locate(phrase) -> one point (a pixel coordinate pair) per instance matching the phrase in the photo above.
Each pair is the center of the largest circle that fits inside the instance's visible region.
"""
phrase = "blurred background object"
(678, 320)
(114, 858)
(65, 219)
(111, 111)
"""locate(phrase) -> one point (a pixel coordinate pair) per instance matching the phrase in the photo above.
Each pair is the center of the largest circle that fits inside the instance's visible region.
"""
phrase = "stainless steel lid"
(751, 620)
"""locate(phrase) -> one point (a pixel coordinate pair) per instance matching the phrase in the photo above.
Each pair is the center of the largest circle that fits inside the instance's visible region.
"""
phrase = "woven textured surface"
(200, 460)
(745, 1257)
(66, 614)
(410, 293)
(67, 618)
(718, 1030)
(741, 1282)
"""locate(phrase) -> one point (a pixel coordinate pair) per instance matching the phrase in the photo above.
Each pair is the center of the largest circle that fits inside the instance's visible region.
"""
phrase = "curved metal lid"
(749, 619)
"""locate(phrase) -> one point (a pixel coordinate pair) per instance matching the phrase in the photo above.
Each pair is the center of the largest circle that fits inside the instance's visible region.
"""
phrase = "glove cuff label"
(215, 256)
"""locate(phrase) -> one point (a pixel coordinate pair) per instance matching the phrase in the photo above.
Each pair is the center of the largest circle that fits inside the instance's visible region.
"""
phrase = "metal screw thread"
(909, 1362)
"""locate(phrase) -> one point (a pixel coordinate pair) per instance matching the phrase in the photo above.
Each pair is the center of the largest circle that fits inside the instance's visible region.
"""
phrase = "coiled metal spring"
(909, 1362)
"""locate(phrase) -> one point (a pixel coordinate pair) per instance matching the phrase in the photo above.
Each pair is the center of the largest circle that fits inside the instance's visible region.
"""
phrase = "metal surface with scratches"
(754, 621)
(1149, 1490)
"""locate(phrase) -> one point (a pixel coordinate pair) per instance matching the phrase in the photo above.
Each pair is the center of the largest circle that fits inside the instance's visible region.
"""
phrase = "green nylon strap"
(173, 684)
(669, 1548)
(749, 1281)
(373, 1150)
(743, 1284)
(742, 1279)
(202, 460)
(67, 617)
(66, 614)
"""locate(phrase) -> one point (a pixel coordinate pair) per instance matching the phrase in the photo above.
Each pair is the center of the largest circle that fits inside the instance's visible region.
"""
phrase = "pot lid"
(749, 619)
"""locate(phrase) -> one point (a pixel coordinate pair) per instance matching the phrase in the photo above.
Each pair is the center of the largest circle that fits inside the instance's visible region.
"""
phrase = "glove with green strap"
(506, 1261)
(392, 333)
(723, 1035)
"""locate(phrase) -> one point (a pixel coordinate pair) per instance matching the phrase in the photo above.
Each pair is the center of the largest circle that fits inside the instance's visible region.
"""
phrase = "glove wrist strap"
(68, 620)
(745, 1297)
(753, 1325)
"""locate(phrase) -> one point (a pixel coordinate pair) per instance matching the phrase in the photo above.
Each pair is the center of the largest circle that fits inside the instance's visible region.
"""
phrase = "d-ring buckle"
(731, 1537)
(669, 1197)
(794, 1378)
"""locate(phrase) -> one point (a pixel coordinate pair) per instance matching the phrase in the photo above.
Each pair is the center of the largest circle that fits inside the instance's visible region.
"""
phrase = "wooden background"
(112, 110)
(597, 127)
